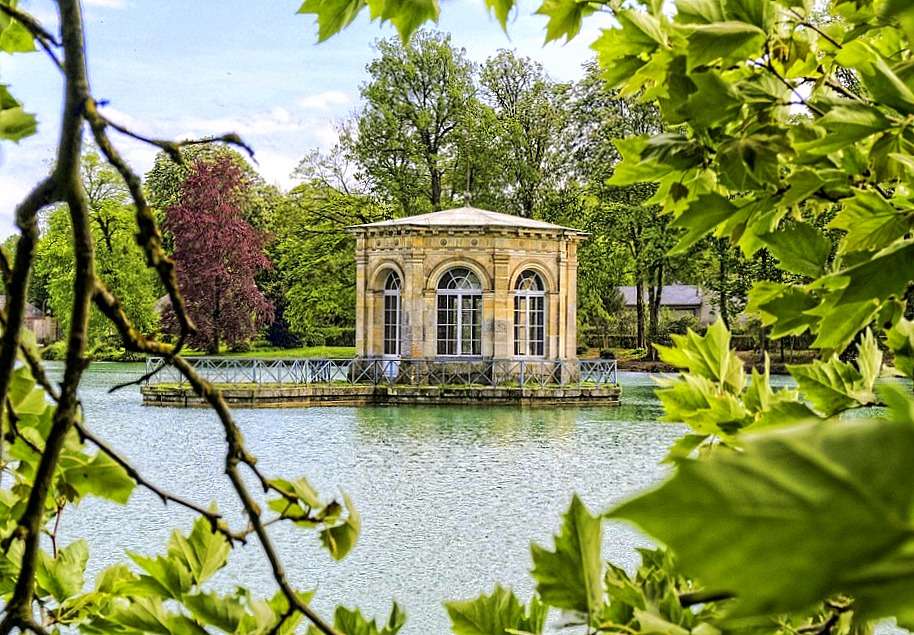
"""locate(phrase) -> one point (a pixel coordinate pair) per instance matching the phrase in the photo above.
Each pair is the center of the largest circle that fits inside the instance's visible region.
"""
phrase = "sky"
(177, 69)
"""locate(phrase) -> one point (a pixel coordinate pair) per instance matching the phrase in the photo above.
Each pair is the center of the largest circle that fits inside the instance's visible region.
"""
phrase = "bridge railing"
(379, 371)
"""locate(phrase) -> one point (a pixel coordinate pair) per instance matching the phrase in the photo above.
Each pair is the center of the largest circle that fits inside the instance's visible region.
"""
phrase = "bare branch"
(18, 611)
(149, 237)
(17, 277)
(30, 23)
(216, 521)
(173, 148)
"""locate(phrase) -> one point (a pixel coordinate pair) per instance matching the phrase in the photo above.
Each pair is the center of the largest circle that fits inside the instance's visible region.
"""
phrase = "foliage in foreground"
(782, 513)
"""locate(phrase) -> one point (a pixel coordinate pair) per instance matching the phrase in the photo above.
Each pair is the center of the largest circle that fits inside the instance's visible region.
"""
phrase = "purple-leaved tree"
(218, 256)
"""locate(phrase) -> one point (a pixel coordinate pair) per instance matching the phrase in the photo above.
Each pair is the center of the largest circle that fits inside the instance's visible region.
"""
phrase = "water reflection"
(450, 497)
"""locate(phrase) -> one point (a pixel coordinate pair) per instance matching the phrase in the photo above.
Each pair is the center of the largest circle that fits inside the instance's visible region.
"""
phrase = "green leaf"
(15, 123)
(703, 405)
(202, 553)
(498, 613)
(871, 222)
(63, 577)
(14, 36)
(683, 447)
(713, 104)
(99, 476)
(886, 274)
(332, 15)
(565, 17)
(340, 539)
(726, 42)
(164, 578)
(707, 356)
(149, 615)
(501, 9)
(223, 612)
(783, 306)
(702, 215)
(352, 622)
(405, 15)
(801, 248)
(900, 339)
(844, 126)
(569, 577)
(834, 385)
(751, 522)
(699, 11)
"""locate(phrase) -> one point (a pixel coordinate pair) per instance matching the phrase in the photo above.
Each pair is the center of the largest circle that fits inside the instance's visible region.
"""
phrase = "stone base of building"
(307, 395)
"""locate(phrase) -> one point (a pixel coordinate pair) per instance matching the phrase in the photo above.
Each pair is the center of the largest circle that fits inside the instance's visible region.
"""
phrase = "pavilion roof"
(469, 217)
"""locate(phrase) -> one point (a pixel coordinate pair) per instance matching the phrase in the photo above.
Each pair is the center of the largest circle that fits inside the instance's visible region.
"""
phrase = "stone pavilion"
(466, 284)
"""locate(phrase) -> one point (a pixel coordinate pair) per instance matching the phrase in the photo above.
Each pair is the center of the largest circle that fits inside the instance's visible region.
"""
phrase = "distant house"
(680, 298)
(43, 326)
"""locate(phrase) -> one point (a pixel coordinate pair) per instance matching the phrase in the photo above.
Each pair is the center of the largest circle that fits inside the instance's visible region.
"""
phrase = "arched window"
(459, 313)
(392, 314)
(530, 315)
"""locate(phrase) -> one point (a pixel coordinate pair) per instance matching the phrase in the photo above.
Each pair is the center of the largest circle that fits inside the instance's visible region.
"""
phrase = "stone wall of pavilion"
(497, 255)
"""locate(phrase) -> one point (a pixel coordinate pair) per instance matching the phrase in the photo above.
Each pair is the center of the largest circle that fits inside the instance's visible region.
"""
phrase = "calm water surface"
(450, 498)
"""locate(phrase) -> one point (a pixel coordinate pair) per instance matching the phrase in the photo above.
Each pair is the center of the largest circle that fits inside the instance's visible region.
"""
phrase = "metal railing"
(369, 371)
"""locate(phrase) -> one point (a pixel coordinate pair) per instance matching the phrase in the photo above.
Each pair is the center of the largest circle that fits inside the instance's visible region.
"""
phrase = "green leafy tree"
(529, 121)
(119, 260)
(626, 221)
(406, 136)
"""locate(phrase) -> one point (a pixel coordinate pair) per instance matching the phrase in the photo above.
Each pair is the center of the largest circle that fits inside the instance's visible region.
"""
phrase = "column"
(361, 325)
(503, 308)
(413, 306)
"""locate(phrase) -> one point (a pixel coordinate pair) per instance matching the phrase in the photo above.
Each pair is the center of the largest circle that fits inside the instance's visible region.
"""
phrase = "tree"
(529, 121)
(119, 260)
(767, 139)
(406, 136)
(218, 256)
(626, 216)
(780, 514)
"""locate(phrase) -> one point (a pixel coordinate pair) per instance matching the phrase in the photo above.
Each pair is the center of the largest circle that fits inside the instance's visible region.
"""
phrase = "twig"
(173, 148)
(216, 521)
(44, 37)
(289, 612)
(66, 180)
(802, 21)
(236, 453)
(703, 597)
(148, 237)
(18, 279)
(29, 22)
(14, 429)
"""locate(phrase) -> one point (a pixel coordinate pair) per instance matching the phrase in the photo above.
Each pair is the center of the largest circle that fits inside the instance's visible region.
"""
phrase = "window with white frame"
(459, 313)
(392, 314)
(529, 315)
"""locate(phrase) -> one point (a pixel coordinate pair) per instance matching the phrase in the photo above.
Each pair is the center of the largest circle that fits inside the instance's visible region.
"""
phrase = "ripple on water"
(450, 497)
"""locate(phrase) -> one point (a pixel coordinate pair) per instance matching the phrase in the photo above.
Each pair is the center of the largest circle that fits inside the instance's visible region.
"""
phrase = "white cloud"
(12, 191)
(325, 100)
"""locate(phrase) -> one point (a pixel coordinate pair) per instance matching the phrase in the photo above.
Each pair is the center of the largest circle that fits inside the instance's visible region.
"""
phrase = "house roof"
(31, 311)
(670, 295)
(469, 217)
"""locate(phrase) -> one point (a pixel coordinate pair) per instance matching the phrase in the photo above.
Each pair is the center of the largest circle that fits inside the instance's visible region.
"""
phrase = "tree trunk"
(436, 188)
(215, 342)
(655, 293)
(639, 312)
(722, 292)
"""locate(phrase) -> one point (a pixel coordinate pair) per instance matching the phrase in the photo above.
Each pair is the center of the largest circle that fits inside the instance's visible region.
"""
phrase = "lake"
(450, 497)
